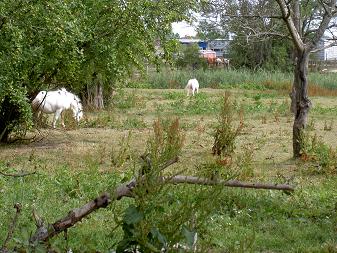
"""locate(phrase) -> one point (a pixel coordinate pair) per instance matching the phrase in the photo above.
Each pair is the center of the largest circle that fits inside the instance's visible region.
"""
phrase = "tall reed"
(233, 78)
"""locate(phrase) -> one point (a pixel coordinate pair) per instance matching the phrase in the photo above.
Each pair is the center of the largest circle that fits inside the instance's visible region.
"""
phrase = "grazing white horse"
(192, 85)
(57, 101)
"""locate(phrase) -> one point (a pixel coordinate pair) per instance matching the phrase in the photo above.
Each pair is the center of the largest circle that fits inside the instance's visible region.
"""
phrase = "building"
(201, 43)
(219, 46)
(327, 54)
(330, 53)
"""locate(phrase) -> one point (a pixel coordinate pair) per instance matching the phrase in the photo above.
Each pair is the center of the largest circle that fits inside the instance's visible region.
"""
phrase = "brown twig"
(17, 175)
(4, 249)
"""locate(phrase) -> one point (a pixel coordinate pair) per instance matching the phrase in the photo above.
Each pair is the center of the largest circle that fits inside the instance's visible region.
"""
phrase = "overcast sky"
(183, 29)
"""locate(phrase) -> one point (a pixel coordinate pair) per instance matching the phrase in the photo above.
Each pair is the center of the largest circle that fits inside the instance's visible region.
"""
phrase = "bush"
(15, 112)
(322, 158)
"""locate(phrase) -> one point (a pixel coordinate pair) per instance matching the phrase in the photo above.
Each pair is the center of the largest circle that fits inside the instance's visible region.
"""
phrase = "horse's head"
(77, 108)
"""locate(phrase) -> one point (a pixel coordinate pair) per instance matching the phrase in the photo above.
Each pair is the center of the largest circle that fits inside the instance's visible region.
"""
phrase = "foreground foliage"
(75, 166)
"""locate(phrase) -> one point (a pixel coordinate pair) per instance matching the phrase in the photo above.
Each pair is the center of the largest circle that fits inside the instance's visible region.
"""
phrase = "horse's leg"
(62, 119)
(56, 117)
(38, 115)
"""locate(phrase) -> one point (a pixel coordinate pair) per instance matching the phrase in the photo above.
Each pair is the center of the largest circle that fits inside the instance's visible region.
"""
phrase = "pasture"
(76, 164)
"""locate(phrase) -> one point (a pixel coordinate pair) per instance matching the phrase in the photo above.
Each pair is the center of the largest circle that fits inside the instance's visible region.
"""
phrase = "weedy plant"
(311, 125)
(134, 122)
(322, 158)
(328, 126)
(225, 131)
(120, 156)
(141, 222)
(101, 119)
(244, 162)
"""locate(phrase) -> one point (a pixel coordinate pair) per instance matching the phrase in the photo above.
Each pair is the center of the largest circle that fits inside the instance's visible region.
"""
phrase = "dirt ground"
(269, 136)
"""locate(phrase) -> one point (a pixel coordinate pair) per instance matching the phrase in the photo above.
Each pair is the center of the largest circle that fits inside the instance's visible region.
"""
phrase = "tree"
(189, 56)
(85, 46)
(303, 23)
(250, 46)
(306, 33)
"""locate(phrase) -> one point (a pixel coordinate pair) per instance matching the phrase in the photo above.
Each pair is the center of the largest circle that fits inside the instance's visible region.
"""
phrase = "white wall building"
(330, 53)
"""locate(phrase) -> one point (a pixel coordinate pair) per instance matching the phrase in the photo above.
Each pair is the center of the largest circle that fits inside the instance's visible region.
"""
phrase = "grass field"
(76, 164)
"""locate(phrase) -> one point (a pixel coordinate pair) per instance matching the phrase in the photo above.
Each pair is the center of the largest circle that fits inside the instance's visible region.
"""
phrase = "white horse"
(57, 101)
(192, 85)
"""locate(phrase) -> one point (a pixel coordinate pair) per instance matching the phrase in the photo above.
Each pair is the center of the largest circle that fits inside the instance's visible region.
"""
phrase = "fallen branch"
(44, 233)
(232, 183)
(74, 216)
(17, 175)
(4, 249)
(126, 190)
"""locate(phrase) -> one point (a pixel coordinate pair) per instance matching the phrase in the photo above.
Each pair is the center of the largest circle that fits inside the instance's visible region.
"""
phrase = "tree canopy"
(302, 23)
(71, 43)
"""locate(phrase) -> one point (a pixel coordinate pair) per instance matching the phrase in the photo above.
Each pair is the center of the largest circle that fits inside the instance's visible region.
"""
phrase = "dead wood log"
(180, 179)
(44, 233)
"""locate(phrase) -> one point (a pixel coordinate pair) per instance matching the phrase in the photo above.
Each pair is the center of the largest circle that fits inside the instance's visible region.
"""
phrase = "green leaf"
(190, 236)
(132, 215)
(159, 236)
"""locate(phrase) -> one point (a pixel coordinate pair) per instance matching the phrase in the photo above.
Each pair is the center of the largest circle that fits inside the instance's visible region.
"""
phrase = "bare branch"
(290, 24)
(253, 16)
(44, 233)
(256, 33)
(17, 175)
(324, 23)
(324, 47)
(180, 179)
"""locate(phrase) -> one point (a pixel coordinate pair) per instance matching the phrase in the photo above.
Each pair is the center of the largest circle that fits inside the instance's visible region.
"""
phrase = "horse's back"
(193, 84)
(51, 101)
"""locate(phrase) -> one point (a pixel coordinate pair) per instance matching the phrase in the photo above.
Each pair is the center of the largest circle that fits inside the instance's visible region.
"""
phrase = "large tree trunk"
(300, 103)
(98, 99)
(95, 93)
(8, 114)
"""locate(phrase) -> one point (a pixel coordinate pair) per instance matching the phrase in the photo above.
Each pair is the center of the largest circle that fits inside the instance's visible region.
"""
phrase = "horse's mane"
(68, 92)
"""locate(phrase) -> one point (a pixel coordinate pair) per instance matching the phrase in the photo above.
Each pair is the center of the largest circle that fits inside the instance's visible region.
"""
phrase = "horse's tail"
(189, 84)
(192, 83)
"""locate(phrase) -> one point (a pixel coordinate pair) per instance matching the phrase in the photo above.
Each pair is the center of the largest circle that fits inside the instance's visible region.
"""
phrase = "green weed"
(134, 123)
(174, 95)
(225, 133)
(328, 126)
(322, 158)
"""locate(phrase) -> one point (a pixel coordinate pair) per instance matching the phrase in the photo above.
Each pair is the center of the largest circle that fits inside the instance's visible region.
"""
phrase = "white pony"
(57, 101)
(192, 85)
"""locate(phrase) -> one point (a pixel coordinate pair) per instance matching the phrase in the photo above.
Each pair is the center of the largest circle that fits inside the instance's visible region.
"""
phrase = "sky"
(183, 29)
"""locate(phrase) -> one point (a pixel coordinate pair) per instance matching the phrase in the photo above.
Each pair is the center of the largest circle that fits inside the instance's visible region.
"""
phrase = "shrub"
(322, 158)
(15, 112)
(225, 133)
